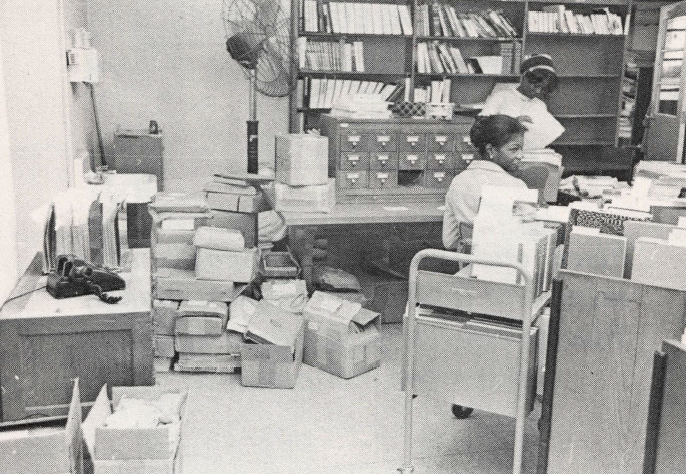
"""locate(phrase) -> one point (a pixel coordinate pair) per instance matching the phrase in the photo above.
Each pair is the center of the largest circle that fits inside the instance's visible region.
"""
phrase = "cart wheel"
(461, 412)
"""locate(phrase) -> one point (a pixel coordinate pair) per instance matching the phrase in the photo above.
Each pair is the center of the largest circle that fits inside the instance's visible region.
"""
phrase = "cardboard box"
(279, 265)
(290, 295)
(341, 337)
(275, 359)
(390, 299)
(201, 325)
(219, 239)
(319, 198)
(217, 309)
(240, 311)
(180, 256)
(209, 363)
(45, 451)
(133, 450)
(167, 236)
(353, 296)
(225, 343)
(245, 223)
(163, 345)
(172, 284)
(164, 315)
(226, 265)
(302, 159)
(659, 263)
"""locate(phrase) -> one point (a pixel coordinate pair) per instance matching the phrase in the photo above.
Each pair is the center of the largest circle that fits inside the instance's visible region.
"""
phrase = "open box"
(133, 450)
(45, 451)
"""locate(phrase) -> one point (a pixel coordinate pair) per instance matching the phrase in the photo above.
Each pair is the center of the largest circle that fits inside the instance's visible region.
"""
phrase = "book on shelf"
(323, 92)
(330, 55)
(434, 57)
(558, 19)
(319, 16)
(438, 19)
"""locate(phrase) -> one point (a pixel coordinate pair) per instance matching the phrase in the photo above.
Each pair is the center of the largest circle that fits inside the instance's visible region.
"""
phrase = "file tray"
(487, 374)
(279, 265)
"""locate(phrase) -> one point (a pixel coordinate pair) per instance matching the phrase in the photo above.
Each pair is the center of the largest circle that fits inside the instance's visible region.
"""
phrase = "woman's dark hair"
(495, 130)
(536, 77)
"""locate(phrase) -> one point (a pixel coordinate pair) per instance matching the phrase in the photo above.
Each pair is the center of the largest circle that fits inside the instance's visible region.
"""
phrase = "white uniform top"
(513, 103)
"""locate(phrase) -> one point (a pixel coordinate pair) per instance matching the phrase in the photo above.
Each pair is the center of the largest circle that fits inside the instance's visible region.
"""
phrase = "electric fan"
(258, 38)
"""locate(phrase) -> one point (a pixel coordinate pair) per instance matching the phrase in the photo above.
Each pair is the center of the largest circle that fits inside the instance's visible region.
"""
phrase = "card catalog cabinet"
(377, 160)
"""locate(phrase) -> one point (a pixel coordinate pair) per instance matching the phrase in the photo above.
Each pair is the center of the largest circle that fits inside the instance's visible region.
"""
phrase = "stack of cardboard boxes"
(302, 175)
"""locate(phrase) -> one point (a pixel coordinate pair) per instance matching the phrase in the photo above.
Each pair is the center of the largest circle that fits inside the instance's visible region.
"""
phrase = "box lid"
(272, 325)
(179, 202)
(332, 308)
(242, 178)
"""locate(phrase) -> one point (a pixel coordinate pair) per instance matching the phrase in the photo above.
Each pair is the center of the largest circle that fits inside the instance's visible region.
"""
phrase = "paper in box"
(163, 346)
(225, 343)
(164, 314)
(217, 309)
(245, 223)
(238, 267)
(210, 363)
(302, 159)
(290, 295)
(181, 256)
(275, 358)
(316, 198)
(172, 284)
(32, 451)
(240, 311)
(341, 337)
(134, 450)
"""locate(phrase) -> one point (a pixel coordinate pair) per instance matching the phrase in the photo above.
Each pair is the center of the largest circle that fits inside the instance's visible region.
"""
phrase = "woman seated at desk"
(499, 140)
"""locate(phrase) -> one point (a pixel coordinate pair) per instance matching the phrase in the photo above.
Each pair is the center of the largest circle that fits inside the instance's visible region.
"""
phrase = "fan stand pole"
(252, 125)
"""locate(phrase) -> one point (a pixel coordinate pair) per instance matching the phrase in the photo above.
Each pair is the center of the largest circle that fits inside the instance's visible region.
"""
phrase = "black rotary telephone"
(76, 277)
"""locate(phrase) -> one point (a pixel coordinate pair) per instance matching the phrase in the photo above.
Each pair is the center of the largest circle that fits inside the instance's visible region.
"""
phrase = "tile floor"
(327, 425)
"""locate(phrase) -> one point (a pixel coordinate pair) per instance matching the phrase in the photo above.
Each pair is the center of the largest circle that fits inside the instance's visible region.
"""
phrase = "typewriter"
(76, 277)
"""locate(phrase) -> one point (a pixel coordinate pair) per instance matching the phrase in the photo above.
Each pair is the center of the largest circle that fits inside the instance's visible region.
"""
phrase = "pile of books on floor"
(438, 57)
(438, 19)
(330, 55)
(557, 19)
(355, 17)
(321, 93)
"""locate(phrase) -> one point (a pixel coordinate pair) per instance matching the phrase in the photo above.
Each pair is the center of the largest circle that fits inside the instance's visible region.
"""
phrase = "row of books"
(557, 19)
(437, 57)
(331, 55)
(437, 93)
(439, 19)
(321, 93)
(346, 17)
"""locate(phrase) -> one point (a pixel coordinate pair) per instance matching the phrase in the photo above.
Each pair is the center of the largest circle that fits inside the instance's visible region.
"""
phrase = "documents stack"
(341, 337)
(287, 294)
(303, 183)
(222, 256)
(500, 234)
(273, 352)
(235, 201)
(175, 218)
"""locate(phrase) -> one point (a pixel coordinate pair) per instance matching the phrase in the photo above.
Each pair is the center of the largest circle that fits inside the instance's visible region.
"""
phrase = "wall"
(166, 60)
(32, 65)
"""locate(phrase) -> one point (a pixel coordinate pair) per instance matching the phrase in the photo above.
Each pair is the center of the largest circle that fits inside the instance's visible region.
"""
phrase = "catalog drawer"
(440, 141)
(354, 141)
(412, 161)
(383, 179)
(463, 143)
(354, 161)
(383, 141)
(412, 141)
(383, 161)
(440, 161)
(352, 179)
(462, 160)
(437, 179)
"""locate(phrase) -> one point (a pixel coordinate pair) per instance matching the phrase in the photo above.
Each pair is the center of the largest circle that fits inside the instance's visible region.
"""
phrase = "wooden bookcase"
(590, 68)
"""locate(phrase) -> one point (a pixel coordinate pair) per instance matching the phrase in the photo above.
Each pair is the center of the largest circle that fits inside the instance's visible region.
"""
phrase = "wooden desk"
(45, 343)
(302, 226)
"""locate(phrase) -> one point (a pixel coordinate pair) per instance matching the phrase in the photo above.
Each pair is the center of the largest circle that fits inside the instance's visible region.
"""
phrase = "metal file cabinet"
(137, 151)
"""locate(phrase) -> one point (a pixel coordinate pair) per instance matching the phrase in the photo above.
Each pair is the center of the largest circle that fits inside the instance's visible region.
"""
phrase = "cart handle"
(409, 331)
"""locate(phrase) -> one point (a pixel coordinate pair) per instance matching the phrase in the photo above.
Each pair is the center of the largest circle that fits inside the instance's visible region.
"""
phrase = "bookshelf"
(589, 58)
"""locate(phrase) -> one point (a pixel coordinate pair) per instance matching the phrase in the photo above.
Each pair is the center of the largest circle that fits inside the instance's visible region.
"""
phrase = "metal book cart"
(471, 341)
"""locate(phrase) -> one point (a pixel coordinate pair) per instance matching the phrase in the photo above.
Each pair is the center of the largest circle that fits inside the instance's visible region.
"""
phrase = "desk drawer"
(353, 140)
(472, 363)
(412, 141)
(352, 179)
(440, 161)
(382, 141)
(383, 179)
(383, 161)
(354, 161)
(444, 142)
(412, 161)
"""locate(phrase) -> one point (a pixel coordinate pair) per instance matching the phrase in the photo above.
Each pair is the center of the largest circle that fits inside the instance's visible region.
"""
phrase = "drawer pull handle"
(440, 159)
(441, 140)
(464, 292)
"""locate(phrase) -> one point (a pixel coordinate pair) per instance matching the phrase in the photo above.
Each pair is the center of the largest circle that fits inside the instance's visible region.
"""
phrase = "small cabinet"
(440, 161)
(412, 141)
(383, 161)
(412, 161)
(383, 179)
(354, 161)
(353, 179)
(383, 141)
(354, 141)
(441, 142)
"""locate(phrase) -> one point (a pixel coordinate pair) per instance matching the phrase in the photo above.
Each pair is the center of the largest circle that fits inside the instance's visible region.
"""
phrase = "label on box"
(284, 289)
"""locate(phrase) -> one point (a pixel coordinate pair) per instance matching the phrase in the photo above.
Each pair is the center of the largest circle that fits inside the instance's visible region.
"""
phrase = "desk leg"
(301, 240)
